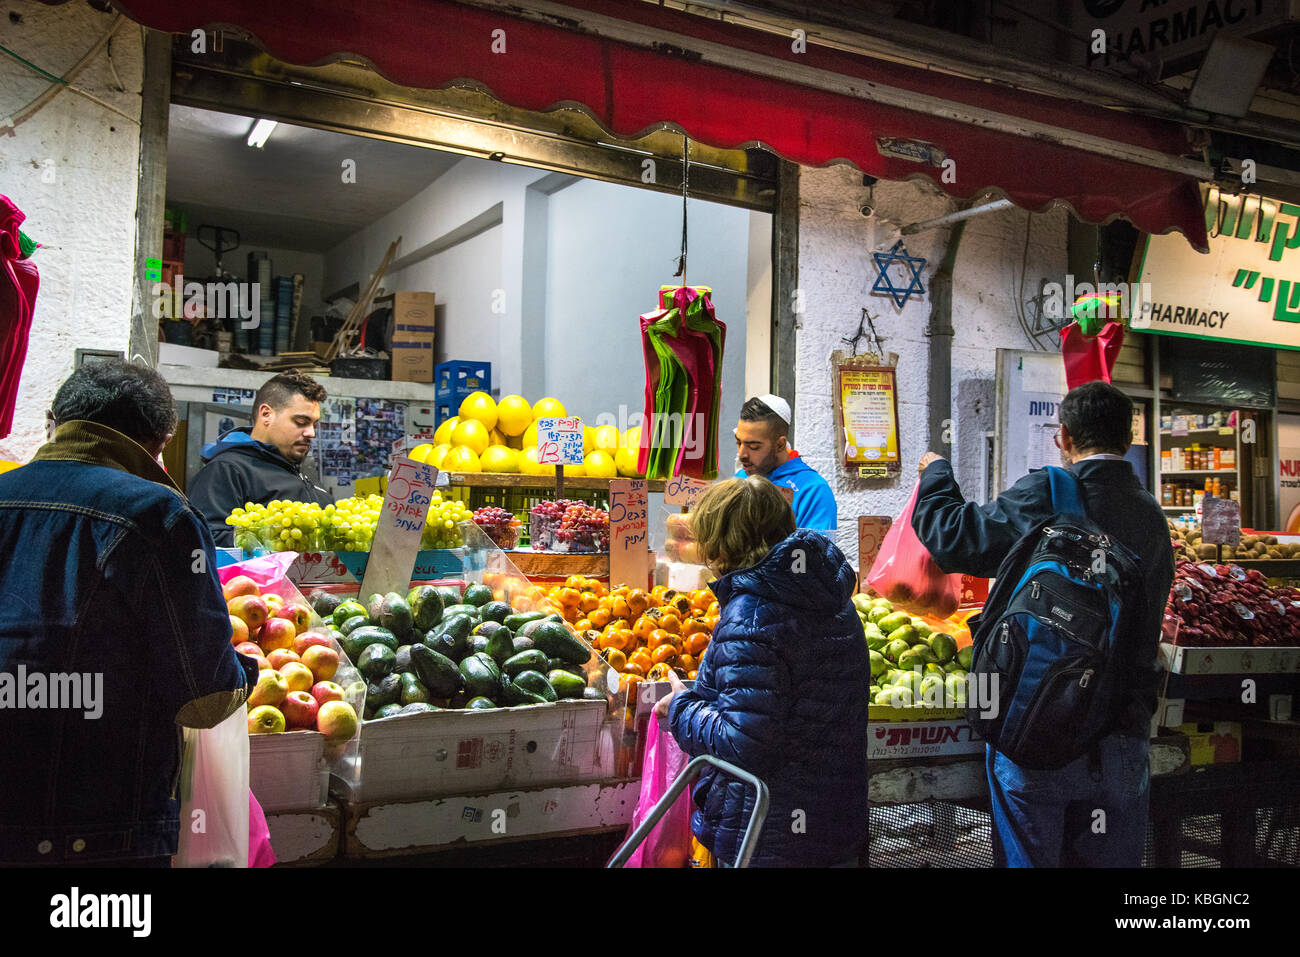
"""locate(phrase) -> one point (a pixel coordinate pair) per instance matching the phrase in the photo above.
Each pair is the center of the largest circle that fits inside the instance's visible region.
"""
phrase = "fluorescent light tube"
(260, 133)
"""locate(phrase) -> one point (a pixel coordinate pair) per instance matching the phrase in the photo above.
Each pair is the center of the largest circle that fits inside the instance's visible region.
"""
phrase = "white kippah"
(777, 405)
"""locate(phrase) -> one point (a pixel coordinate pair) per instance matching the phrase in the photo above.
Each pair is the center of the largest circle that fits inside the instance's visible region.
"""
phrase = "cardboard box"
(413, 314)
(916, 739)
(1213, 742)
(284, 770)
(1181, 660)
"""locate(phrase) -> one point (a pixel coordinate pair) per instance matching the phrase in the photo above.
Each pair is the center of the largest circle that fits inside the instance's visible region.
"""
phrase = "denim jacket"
(113, 636)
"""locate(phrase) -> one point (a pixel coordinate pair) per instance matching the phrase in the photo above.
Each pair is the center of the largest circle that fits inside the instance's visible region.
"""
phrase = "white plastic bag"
(214, 796)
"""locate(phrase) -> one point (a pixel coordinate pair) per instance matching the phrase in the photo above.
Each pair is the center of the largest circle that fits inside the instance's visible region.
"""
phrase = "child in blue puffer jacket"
(782, 689)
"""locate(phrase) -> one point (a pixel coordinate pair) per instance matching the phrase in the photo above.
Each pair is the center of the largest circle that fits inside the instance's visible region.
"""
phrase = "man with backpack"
(1083, 564)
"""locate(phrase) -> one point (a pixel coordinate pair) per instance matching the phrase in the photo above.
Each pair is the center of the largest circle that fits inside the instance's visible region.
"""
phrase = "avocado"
(495, 611)
(592, 694)
(426, 606)
(480, 704)
(477, 594)
(347, 610)
(447, 645)
(413, 690)
(416, 707)
(523, 644)
(477, 643)
(566, 683)
(480, 675)
(371, 634)
(403, 661)
(384, 691)
(559, 642)
(324, 602)
(395, 614)
(533, 660)
(516, 622)
(470, 611)
(458, 626)
(535, 687)
(449, 594)
(436, 672)
(376, 661)
(387, 711)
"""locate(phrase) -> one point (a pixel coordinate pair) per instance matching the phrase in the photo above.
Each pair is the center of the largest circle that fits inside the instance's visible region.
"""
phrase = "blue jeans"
(1076, 816)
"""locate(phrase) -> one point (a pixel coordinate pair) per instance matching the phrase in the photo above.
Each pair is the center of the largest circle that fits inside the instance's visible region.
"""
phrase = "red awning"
(631, 88)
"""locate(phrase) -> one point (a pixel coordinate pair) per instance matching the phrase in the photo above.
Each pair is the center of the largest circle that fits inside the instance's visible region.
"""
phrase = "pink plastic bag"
(669, 844)
(260, 853)
(905, 573)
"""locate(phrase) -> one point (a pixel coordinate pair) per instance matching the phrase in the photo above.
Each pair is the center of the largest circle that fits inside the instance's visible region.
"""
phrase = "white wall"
(836, 272)
(72, 168)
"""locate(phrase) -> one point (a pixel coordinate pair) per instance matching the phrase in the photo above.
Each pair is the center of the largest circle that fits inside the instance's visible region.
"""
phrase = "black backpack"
(1045, 678)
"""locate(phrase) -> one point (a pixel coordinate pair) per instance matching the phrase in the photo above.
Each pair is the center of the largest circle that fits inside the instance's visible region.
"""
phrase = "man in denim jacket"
(113, 631)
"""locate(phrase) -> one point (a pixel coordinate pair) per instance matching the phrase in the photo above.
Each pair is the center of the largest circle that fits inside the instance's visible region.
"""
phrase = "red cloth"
(428, 44)
(19, 282)
(1089, 359)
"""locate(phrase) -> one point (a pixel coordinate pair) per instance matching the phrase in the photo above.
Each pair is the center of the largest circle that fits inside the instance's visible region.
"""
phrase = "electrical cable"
(65, 81)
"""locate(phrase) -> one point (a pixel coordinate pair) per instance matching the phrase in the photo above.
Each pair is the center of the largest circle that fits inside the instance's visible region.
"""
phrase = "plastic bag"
(1089, 359)
(260, 853)
(669, 844)
(214, 796)
(905, 573)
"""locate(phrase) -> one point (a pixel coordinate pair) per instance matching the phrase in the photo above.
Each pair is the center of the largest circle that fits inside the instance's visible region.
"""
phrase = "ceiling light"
(260, 133)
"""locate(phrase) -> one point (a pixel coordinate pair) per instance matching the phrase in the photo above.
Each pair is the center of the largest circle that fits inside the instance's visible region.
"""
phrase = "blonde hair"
(738, 521)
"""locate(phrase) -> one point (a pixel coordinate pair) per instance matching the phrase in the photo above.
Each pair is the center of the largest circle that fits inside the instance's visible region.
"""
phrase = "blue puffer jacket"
(782, 693)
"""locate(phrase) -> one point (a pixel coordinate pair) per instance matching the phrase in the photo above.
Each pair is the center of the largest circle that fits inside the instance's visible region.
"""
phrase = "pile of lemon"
(488, 436)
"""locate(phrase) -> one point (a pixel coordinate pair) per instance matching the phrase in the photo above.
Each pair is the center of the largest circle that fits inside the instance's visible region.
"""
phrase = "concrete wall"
(72, 168)
(836, 272)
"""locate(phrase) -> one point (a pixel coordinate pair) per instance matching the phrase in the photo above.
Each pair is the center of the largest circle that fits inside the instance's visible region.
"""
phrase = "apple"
(276, 633)
(322, 660)
(240, 585)
(273, 604)
(337, 721)
(265, 719)
(299, 709)
(271, 689)
(281, 657)
(250, 648)
(251, 609)
(238, 631)
(297, 613)
(326, 691)
(309, 638)
(297, 676)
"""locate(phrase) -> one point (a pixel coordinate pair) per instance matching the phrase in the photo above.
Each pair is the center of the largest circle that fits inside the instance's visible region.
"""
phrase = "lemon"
(515, 442)
(498, 458)
(607, 438)
(625, 462)
(442, 435)
(514, 414)
(420, 453)
(600, 464)
(631, 438)
(548, 408)
(473, 433)
(496, 437)
(462, 458)
(529, 465)
(479, 406)
(588, 439)
(436, 457)
(530, 435)
(570, 471)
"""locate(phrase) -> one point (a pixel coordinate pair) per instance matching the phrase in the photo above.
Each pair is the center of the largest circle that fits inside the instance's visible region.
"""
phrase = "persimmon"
(624, 640)
(621, 591)
(658, 591)
(588, 602)
(682, 605)
(671, 623)
(687, 662)
(600, 616)
(615, 658)
(664, 654)
(582, 626)
(693, 626)
(619, 607)
(641, 660)
(691, 675)
(713, 611)
(657, 638)
(638, 601)
(633, 669)
(644, 625)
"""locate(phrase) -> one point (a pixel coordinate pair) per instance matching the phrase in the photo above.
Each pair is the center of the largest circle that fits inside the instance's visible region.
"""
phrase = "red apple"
(273, 604)
(298, 676)
(337, 721)
(265, 719)
(326, 691)
(299, 709)
(251, 609)
(299, 614)
(322, 661)
(281, 657)
(238, 631)
(252, 649)
(307, 639)
(240, 585)
(271, 688)
(276, 633)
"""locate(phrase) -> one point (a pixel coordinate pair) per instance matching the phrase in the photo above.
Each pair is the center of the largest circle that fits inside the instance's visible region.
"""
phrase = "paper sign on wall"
(400, 527)
(629, 533)
(559, 441)
(685, 491)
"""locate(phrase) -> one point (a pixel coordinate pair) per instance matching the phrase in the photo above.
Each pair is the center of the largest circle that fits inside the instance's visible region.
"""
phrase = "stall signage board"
(559, 441)
(1220, 521)
(629, 533)
(1246, 290)
(868, 400)
(684, 491)
(400, 527)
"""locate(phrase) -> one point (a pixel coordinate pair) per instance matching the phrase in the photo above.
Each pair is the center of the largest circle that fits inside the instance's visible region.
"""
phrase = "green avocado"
(496, 611)
(480, 675)
(436, 672)
(477, 595)
(376, 661)
(426, 606)
(566, 683)
(347, 610)
(559, 642)
(480, 703)
(395, 614)
(531, 660)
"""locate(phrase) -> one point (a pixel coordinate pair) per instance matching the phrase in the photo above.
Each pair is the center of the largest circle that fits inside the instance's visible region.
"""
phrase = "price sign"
(1220, 521)
(685, 491)
(401, 523)
(629, 533)
(559, 441)
(871, 533)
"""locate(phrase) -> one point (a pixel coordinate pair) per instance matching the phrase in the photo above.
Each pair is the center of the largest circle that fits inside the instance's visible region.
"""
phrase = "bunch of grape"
(583, 529)
(440, 527)
(280, 526)
(543, 520)
(352, 523)
(499, 525)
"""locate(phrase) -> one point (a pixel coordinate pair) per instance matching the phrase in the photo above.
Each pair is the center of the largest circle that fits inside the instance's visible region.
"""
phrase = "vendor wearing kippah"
(761, 449)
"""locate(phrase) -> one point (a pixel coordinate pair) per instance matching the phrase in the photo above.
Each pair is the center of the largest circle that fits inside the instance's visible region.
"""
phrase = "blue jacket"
(110, 573)
(782, 693)
(814, 503)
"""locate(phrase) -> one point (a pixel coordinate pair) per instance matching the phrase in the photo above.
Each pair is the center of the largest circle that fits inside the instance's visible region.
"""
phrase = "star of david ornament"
(913, 266)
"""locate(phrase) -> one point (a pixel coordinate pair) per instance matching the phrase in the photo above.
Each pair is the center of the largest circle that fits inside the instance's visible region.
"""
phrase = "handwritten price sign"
(559, 441)
(629, 533)
(684, 490)
(401, 524)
